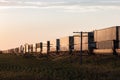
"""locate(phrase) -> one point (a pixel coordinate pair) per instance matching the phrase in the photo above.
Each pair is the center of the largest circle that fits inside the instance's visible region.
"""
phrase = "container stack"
(66, 44)
(37, 48)
(34, 48)
(26, 48)
(30, 48)
(21, 49)
(53, 45)
(16, 50)
(107, 40)
(87, 42)
(44, 48)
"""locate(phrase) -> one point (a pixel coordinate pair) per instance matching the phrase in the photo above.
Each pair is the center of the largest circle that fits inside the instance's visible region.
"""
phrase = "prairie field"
(95, 67)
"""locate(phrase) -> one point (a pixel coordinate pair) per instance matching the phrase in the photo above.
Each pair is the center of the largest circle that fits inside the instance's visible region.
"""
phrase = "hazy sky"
(32, 21)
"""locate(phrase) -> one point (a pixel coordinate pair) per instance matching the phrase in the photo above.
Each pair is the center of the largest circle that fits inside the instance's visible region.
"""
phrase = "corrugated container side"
(31, 48)
(76, 43)
(37, 45)
(44, 51)
(78, 47)
(85, 47)
(34, 48)
(21, 49)
(26, 48)
(85, 41)
(105, 34)
(64, 44)
(16, 50)
(77, 40)
(84, 38)
(53, 46)
(105, 45)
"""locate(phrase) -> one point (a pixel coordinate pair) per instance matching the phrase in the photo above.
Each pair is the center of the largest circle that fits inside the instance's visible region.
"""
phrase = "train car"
(26, 46)
(16, 50)
(21, 51)
(39, 48)
(44, 48)
(87, 42)
(30, 48)
(34, 48)
(67, 44)
(10, 51)
(107, 34)
(107, 40)
(4, 51)
(54, 46)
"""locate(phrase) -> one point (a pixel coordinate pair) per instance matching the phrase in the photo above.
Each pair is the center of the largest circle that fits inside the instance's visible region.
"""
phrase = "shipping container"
(16, 50)
(105, 45)
(31, 48)
(84, 38)
(21, 49)
(39, 47)
(34, 48)
(26, 48)
(44, 48)
(66, 43)
(107, 34)
(53, 46)
(10, 51)
(87, 41)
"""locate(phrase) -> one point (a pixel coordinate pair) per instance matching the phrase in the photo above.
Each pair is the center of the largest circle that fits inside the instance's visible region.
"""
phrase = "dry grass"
(14, 67)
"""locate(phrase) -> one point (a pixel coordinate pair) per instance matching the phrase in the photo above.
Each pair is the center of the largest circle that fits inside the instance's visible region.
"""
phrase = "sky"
(33, 21)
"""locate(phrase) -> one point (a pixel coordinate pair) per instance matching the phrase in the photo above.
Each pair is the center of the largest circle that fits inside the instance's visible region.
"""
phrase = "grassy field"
(13, 67)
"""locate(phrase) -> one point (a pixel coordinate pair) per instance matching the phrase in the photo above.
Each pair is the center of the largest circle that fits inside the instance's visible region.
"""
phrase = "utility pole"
(80, 45)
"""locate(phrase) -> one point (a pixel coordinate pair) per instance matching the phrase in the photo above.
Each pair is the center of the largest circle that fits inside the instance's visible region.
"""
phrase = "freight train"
(103, 41)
